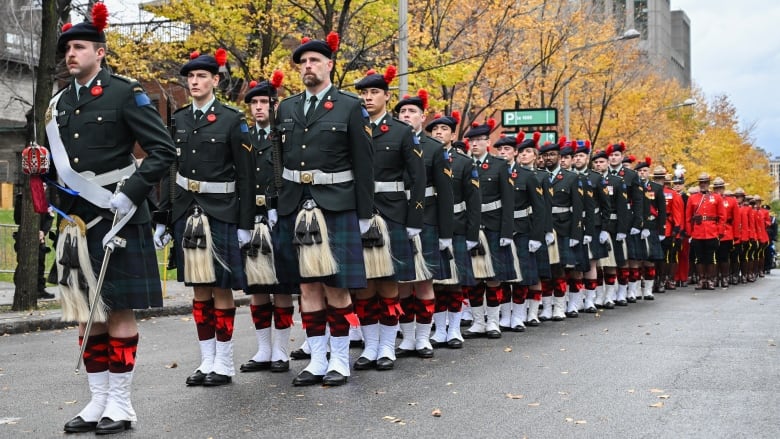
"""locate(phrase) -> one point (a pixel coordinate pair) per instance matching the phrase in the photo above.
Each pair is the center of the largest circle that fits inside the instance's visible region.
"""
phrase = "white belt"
(491, 206)
(260, 200)
(109, 177)
(613, 216)
(523, 213)
(429, 192)
(559, 209)
(388, 186)
(206, 187)
(315, 176)
(460, 207)
(596, 210)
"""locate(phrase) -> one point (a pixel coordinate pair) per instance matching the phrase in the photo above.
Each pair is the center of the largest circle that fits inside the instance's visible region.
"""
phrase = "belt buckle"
(307, 177)
(260, 200)
(194, 186)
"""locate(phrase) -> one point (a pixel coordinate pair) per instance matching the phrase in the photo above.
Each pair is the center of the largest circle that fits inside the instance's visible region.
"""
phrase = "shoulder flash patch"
(141, 98)
(244, 127)
(474, 173)
(446, 155)
(415, 139)
(364, 111)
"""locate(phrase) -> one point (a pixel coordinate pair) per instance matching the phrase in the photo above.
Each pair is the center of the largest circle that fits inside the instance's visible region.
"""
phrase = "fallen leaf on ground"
(411, 403)
(508, 349)
(449, 384)
(185, 319)
(754, 298)
(436, 413)
(514, 396)
(631, 390)
(71, 402)
(565, 372)
(534, 404)
(569, 419)
(664, 396)
(657, 405)
(563, 393)
(171, 366)
(656, 391)
(581, 421)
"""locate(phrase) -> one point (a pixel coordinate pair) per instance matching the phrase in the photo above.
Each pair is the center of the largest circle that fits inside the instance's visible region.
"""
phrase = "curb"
(23, 324)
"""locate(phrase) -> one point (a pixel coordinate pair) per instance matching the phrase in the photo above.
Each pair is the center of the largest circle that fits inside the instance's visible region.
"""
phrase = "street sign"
(547, 136)
(529, 117)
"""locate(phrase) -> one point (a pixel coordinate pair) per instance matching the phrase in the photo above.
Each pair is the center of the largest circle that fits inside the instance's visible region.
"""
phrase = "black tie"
(479, 163)
(261, 135)
(82, 92)
(198, 114)
(312, 106)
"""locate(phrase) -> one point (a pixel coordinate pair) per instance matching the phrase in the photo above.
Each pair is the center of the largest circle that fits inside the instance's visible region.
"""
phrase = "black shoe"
(356, 344)
(493, 334)
(437, 344)
(299, 354)
(214, 379)
(518, 328)
(79, 425)
(280, 366)
(466, 323)
(333, 378)
(45, 295)
(469, 335)
(402, 353)
(621, 303)
(454, 344)
(649, 298)
(572, 314)
(364, 363)
(591, 310)
(385, 363)
(609, 305)
(631, 299)
(255, 366)
(109, 426)
(196, 379)
(558, 319)
(306, 378)
(425, 353)
(533, 323)
(504, 328)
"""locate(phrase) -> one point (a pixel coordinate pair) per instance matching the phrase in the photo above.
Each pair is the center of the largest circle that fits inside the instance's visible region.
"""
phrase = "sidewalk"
(176, 300)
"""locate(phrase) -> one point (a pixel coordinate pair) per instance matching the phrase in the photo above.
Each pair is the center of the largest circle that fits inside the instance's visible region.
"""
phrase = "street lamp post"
(403, 48)
(627, 35)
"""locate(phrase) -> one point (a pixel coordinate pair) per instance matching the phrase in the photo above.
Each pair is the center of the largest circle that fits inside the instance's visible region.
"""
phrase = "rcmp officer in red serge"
(497, 223)
(272, 342)
(397, 154)
(92, 126)
(704, 224)
(213, 211)
(726, 242)
(417, 299)
(671, 230)
(326, 203)
(466, 222)
(655, 222)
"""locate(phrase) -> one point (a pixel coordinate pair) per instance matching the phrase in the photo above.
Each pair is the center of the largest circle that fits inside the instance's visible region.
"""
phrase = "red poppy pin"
(621, 173)
(96, 90)
(328, 105)
(559, 177)
(484, 166)
(211, 117)
(383, 128)
(514, 174)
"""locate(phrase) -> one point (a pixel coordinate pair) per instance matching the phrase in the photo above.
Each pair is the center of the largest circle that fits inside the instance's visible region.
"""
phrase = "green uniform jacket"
(636, 195)
(215, 148)
(566, 191)
(336, 139)
(465, 189)
(495, 185)
(99, 132)
(438, 174)
(264, 171)
(656, 207)
(529, 193)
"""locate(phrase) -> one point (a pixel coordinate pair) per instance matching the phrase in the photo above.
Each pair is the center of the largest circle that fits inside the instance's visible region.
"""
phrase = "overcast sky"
(734, 52)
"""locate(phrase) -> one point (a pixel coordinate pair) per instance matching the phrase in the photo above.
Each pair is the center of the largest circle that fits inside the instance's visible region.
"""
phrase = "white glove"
(603, 236)
(533, 246)
(503, 242)
(273, 218)
(633, 231)
(587, 239)
(364, 224)
(411, 232)
(661, 237)
(549, 238)
(121, 204)
(645, 233)
(445, 243)
(620, 237)
(573, 242)
(471, 244)
(244, 236)
(161, 239)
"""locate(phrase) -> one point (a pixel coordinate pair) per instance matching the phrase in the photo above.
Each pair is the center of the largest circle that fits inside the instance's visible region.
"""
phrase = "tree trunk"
(26, 293)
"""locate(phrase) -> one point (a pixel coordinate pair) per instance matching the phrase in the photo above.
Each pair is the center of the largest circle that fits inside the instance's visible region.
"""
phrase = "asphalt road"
(687, 365)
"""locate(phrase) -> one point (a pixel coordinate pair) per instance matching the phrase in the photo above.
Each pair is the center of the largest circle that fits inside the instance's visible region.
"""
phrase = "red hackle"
(99, 16)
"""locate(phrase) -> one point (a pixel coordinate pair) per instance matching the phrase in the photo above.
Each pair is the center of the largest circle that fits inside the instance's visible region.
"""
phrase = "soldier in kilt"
(628, 274)
(566, 194)
(272, 342)
(531, 158)
(397, 154)
(467, 206)
(326, 203)
(655, 221)
(497, 206)
(104, 149)
(215, 184)
(417, 298)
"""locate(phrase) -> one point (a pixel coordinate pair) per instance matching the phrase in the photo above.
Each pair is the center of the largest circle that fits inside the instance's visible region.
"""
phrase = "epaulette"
(183, 107)
(462, 153)
(431, 139)
(230, 107)
(350, 94)
(127, 79)
(293, 96)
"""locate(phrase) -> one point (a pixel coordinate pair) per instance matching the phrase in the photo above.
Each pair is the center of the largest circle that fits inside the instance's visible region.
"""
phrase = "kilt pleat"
(655, 251)
(527, 261)
(637, 249)
(401, 249)
(503, 264)
(225, 239)
(429, 240)
(463, 261)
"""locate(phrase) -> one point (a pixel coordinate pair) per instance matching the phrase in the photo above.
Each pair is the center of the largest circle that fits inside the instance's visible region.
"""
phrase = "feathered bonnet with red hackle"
(530, 142)
(513, 141)
(373, 79)
(213, 64)
(644, 164)
(616, 147)
(451, 121)
(550, 146)
(583, 147)
(327, 47)
(478, 129)
(420, 100)
(88, 30)
(265, 88)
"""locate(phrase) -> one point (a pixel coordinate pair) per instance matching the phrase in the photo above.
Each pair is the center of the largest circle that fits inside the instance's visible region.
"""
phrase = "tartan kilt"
(527, 261)
(132, 279)
(225, 239)
(580, 252)
(429, 240)
(568, 256)
(655, 251)
(344, 236)
(637, 249)
(463, 261)
(597, 250)
(401, 249)
(503, 264)
(542, 257)
(278, 288)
